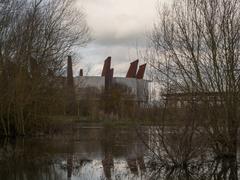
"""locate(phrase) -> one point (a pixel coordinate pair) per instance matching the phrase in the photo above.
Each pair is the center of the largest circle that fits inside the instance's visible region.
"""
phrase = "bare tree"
(195, 53)
(35, 38)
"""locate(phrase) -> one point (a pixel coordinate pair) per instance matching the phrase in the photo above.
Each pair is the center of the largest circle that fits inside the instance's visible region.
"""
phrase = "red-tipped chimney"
(141, 71)
(107, 66)
(132, 69)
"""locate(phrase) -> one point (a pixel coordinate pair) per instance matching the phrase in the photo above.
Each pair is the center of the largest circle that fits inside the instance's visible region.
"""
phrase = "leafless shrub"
(194, 54)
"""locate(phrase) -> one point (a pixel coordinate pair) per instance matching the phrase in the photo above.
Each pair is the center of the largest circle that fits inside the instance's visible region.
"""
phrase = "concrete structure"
(134, 82)
(137, 87)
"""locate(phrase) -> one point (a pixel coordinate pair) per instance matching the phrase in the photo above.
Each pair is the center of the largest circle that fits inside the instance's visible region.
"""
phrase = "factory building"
(133, 82)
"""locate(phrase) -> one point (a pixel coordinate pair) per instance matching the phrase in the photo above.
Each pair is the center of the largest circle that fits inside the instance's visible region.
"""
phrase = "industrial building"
(133, 82)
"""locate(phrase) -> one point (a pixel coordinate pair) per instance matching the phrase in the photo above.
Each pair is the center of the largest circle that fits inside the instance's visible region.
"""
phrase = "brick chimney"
(70, 93)
(69, 72)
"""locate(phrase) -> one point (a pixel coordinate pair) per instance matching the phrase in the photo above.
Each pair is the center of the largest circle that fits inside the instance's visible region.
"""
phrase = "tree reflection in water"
(107, 162)
(117, 153)
(15, 164)
(101, 153)
(185, 153)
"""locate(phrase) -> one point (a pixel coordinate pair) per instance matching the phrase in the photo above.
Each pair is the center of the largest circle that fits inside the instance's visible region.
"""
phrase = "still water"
(92, 153)
(110, 153)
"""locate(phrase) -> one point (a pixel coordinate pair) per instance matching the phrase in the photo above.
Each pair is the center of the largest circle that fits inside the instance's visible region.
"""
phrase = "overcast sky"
(119, 28)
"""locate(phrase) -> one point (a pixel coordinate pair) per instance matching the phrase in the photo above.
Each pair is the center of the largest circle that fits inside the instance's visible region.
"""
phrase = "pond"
(89, 153)
(111, 153)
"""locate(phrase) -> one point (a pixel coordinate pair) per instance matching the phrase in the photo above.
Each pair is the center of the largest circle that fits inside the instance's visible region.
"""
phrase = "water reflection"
(116, 153)
(186, 153)
(89, 153)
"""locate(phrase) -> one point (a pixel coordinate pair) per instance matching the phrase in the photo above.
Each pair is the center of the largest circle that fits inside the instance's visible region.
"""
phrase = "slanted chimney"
(109, 78)
(132, 69)
(107, 66)
(141, 71)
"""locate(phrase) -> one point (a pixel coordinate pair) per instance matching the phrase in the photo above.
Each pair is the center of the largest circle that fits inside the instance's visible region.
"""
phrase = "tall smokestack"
(132, 69)
(69, 72)
(70, 93)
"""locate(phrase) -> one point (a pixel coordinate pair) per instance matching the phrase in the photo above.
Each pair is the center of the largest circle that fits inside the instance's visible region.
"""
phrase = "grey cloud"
(95, 55)
(118, 27)
(128, 40)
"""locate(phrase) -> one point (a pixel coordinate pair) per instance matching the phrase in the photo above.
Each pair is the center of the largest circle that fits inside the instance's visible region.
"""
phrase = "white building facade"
(137, 87)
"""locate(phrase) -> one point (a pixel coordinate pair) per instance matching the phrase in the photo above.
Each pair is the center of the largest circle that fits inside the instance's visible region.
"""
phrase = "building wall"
(138, 87)
(89, 81)
(131, 83)
(142, 90)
